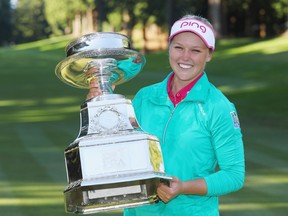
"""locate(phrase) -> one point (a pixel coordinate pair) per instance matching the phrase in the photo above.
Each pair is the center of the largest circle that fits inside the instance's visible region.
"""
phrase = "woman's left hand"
(166, 193)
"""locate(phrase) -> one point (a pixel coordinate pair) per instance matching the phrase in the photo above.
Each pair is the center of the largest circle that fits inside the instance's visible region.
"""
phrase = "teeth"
(185, 66)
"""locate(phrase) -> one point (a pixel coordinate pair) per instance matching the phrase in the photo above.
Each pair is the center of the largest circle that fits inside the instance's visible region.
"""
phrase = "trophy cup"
(112, 164)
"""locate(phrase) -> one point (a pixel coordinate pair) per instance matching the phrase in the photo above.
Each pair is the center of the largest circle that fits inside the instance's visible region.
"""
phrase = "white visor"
(199, 28)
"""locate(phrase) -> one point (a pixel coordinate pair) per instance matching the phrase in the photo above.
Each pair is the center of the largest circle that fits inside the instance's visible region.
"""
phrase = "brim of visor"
(199, 35)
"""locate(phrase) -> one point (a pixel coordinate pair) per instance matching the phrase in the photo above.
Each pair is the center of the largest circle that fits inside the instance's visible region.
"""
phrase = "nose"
(186, 54)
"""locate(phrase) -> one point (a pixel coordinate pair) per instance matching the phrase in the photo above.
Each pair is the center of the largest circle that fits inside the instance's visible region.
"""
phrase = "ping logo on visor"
(198, 27)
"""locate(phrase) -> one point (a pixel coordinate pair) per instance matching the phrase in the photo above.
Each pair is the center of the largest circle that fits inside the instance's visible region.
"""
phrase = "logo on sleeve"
(235, 119)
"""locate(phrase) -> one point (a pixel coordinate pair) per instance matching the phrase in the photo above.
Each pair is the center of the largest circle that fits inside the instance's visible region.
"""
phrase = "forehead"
(188, 38)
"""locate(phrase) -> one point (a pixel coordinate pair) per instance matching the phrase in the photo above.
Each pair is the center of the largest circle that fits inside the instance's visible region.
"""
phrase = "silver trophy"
(112, 164)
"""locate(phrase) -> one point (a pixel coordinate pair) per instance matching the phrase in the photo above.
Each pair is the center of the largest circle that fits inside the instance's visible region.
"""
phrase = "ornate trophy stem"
(102, 70)
(112, 164)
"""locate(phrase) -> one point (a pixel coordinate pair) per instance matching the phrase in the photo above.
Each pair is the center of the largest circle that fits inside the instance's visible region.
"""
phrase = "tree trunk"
(214, 15)
(77, 25)
(170, 13)
(100, 15)
(89, 15)
(224, 19)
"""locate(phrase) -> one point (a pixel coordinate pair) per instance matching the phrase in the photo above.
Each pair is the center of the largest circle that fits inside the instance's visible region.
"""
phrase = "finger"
(175, 179)
(93, 92)
(162, 194)
(94, 83)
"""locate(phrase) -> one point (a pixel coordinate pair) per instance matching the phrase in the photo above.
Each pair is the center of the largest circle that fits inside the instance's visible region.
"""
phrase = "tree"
(281, 12)
(69, 16)
(36, 19)
(30, 22)
(214, 11)
(5, 22)
(149, 13)
(57, 14)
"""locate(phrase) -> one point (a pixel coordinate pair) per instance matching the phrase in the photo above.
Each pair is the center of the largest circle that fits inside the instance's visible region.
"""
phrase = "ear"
(209, 56)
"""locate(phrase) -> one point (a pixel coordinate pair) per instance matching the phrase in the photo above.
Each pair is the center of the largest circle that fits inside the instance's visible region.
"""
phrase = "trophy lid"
(90, 51)
(98, 40)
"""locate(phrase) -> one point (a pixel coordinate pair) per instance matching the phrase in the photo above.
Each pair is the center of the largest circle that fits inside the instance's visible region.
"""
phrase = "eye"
(196, 50)
(178, 47)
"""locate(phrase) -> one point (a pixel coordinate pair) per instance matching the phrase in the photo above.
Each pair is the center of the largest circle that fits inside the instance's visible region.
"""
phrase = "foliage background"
(30, 20)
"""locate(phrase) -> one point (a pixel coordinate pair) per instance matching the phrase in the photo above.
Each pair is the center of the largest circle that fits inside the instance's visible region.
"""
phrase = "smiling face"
(188, 55)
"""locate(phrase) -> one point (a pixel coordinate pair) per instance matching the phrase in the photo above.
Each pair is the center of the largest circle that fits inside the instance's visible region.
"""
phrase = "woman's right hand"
(94, 89)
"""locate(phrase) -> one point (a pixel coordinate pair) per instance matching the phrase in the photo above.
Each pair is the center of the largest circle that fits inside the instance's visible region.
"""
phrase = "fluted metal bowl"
(84, 55)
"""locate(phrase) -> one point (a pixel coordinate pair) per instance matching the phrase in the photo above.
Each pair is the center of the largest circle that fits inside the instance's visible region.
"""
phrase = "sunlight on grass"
(57, 101)
(263, 192)
(31, 188)
(49, 109)
(268, 184)
(272, 46)
(252, 206)
(35, 195)
(31, 195)
(46, 44)
(41, 114)
(30, 201)
(9, 103)
(44, 101)
(260, 180)
(249, 87)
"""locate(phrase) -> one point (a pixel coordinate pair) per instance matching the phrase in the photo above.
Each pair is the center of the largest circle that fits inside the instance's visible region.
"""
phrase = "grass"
(40, 117)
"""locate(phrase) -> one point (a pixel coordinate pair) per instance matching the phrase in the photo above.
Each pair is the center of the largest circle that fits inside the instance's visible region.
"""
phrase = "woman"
(198, 127)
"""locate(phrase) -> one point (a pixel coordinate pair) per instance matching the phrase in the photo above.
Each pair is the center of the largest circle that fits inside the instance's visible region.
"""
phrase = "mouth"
(185, 66)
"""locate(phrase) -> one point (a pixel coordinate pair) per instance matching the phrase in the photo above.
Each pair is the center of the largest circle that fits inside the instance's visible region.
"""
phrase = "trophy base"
(112, 164)
(113, 196)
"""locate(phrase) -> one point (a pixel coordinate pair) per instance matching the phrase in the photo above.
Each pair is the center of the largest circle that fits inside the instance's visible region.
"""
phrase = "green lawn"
(40, 117)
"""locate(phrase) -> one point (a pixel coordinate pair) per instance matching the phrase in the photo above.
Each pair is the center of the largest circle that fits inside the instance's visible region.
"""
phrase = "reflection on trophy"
(113, 163)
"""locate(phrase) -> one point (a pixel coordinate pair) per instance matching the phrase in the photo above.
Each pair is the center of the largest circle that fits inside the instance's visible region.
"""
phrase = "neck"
(177, 85)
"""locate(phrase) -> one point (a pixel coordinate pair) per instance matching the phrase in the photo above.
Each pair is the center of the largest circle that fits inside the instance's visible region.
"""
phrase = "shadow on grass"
(47, 210)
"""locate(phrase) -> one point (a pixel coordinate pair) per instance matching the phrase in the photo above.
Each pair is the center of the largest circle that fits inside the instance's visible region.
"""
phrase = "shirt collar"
(180, 95)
